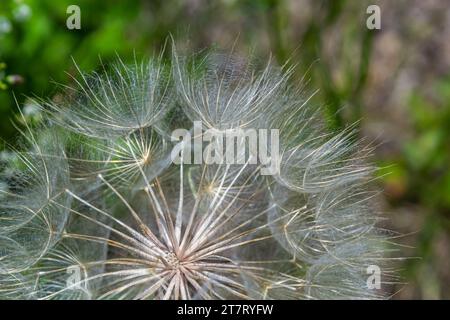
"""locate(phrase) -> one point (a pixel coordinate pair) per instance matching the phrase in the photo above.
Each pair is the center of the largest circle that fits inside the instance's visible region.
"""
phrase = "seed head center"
(172, 260)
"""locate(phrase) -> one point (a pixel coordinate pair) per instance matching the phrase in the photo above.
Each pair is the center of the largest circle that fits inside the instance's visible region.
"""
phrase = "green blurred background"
(396, 81)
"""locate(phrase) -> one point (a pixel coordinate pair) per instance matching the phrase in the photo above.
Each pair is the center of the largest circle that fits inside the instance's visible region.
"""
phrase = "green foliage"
(421, 175)
(427, 154)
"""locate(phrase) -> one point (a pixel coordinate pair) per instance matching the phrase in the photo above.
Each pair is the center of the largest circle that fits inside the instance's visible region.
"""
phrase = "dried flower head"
(92, 207)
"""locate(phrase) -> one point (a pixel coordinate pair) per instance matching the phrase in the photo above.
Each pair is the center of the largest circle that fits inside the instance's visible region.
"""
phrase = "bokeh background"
(395, 82)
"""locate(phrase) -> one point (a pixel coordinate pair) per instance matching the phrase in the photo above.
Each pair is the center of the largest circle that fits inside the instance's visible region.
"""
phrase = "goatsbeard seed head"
(93, 207)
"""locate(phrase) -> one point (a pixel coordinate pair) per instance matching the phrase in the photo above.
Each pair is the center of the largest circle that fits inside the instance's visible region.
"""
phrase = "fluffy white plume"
(94, 208)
